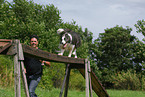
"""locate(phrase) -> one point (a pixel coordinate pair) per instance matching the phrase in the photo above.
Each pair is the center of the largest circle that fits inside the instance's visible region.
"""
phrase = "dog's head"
(65, 37)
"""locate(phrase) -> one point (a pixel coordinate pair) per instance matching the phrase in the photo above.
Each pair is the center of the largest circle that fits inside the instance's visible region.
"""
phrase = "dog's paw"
(74, 53)
(60, 54)
(69, 55)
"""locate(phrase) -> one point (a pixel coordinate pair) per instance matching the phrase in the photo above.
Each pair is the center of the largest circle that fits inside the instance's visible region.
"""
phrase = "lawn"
(6, 92)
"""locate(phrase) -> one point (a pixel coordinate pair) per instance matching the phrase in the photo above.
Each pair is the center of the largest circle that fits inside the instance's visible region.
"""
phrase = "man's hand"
(25, 70)
(45, 63)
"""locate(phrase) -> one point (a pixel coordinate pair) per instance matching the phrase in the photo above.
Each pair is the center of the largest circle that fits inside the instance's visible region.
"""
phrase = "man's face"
(34, 42)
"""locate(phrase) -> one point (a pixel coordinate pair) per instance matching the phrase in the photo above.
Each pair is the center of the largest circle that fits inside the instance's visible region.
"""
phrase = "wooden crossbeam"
(40, 54)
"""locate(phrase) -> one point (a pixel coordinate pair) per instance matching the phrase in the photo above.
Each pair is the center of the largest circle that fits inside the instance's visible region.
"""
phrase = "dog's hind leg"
(75, 53)
(72, 48)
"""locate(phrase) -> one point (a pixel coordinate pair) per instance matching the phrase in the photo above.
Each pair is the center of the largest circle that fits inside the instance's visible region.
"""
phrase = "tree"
(112, 51)
(140, 46)
(139, 56)
(23, 18)
(140, 26)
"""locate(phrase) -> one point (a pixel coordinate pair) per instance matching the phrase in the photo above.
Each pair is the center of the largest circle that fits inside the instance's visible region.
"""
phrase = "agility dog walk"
(14, 48)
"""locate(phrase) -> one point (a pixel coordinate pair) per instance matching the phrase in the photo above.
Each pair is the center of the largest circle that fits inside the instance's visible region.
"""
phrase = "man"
(34, 68)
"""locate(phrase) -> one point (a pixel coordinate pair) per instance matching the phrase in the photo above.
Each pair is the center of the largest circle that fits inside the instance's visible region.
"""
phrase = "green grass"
(125, 93)
(9, 92)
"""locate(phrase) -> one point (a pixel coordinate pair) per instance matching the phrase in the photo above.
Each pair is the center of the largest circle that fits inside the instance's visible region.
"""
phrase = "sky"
(97, 15)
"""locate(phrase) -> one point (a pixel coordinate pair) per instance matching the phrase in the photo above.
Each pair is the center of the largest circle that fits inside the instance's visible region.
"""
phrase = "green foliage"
(113, 49)
(117, 50)
(95, 69)
(139, 55)
(140, 26)
(77, 81)
(52, 76)
(127, 80)
(23, 18)
(6, 71)
(143, 82)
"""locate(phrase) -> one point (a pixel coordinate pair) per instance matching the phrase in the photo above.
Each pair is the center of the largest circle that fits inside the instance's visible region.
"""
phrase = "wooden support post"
(21, 63)
(87, 77)
(66, 74)
(89, 70)
(24, 80)
(17, 71)
(67, 82)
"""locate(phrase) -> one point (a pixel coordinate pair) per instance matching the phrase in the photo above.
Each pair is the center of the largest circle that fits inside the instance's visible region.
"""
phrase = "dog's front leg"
(72, 48)
(61, 52)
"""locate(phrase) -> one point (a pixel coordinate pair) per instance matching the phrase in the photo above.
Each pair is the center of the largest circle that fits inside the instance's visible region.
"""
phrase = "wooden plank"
(20, 52)
(24, 80)
(97, 87)
(89, 70)
(87, 78)
(40, 54)
(4, 44)
(11, 50)
(21, 59)
(67, 82)
(65, 78)
(17, 72)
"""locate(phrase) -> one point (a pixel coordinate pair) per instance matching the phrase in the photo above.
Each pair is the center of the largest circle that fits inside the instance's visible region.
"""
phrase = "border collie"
(69, 41)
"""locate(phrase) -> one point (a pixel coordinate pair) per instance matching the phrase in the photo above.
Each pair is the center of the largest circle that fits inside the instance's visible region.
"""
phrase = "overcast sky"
(97, 15)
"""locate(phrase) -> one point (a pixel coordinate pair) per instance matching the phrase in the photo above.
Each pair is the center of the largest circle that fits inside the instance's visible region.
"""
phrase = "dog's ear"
(59, 31)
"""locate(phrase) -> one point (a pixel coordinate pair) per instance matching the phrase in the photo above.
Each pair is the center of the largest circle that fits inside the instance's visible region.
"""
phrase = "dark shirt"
(33, 66)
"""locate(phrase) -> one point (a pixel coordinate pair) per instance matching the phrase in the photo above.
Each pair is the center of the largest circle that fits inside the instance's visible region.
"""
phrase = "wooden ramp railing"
(8, 48)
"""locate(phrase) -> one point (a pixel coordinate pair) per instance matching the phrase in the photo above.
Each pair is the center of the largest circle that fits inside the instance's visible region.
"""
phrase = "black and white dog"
(69, 41)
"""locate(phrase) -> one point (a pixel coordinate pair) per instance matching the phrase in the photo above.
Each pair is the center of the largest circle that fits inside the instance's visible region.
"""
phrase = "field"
(5, 92)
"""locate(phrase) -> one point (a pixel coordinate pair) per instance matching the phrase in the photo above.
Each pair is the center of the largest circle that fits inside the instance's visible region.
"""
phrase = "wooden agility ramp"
(7, 47)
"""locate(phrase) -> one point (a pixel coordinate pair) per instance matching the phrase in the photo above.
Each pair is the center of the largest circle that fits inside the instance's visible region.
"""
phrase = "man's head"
(34, 41)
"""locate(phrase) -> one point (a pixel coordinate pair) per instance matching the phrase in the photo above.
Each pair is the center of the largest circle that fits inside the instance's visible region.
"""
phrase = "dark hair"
(34, 36)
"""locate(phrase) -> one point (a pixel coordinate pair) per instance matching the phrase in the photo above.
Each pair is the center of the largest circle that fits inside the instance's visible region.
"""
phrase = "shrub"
(143, 83)
(126, 80)
(52, 76)
(6, 71)
(76, 81)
